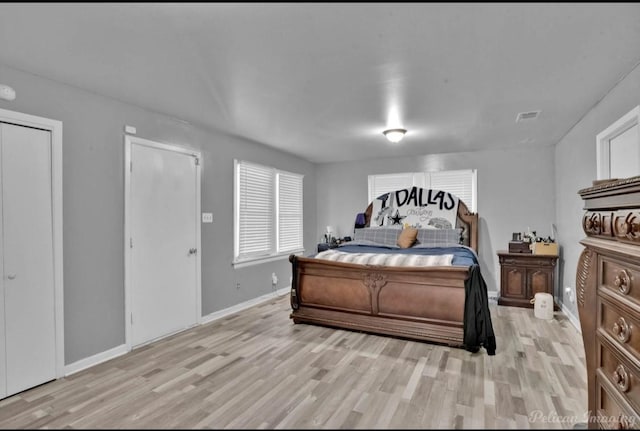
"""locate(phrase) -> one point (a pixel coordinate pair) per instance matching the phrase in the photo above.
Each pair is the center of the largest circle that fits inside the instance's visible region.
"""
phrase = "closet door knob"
(11, 276)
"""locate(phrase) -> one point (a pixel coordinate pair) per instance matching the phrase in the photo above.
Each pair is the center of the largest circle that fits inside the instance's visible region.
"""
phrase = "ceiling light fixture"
(394, 135)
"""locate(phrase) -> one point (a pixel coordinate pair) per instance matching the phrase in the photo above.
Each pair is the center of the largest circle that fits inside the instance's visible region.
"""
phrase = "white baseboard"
(573, 319)
(244, 305)
(99, 358)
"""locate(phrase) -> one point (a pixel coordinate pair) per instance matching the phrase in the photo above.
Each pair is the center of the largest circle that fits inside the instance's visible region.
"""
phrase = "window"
(461, 183)
(268, 212)
(618, 148)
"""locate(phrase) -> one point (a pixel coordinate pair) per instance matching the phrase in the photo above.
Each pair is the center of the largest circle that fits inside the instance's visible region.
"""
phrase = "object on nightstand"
(548, 248)
(519, 247)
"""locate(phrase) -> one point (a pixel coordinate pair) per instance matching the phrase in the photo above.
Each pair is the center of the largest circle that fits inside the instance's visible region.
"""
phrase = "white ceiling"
(323, 80)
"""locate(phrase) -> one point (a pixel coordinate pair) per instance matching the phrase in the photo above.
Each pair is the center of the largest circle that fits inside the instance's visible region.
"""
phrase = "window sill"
(264, 259)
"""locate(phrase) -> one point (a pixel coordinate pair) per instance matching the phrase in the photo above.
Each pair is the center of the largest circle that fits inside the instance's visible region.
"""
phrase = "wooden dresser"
(608, 298)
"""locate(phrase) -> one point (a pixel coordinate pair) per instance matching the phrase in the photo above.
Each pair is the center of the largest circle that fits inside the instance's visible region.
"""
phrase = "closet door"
(28, 339)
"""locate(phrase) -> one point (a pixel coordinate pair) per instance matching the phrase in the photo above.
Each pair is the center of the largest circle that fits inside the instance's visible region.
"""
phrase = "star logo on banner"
(397, 219)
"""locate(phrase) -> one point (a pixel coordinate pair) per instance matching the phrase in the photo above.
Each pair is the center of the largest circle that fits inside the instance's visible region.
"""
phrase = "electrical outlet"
(237, 285)
(568, 290)
(274, 279)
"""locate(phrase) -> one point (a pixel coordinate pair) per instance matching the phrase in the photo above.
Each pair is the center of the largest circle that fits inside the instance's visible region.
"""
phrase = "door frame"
(129, 140)
(55, 128)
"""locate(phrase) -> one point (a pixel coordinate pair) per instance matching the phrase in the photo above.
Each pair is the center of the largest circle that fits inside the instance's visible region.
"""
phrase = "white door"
(27, 250)
(163, 227)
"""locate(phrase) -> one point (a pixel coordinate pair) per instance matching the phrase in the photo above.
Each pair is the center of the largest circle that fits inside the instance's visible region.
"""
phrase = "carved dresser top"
(615, 194)
(613, 210)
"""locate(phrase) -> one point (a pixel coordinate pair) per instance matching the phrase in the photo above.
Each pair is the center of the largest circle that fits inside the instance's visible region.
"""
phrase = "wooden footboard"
(417, 303)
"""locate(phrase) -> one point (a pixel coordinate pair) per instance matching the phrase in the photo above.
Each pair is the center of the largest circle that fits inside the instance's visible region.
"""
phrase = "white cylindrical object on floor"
(543, 306)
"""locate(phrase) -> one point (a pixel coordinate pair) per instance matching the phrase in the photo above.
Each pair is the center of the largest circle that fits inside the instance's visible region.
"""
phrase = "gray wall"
(575, 166)
(93, 206)
(515, 191)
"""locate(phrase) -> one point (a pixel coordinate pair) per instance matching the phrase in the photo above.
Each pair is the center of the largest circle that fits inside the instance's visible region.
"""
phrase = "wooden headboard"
(419, 198)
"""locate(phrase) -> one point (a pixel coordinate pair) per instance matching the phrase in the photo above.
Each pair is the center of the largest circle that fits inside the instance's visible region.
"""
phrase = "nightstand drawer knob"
(621, 378)
(622, 330)
(623, 282)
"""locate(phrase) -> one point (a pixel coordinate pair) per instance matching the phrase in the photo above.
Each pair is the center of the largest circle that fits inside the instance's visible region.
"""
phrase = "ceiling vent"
(527, 116)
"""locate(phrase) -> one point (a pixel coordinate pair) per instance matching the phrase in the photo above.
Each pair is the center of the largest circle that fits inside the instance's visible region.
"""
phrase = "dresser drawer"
(610, 414)
(620, 278)
(622, 329)
(598, 223)
(626, 226)
(622, 376)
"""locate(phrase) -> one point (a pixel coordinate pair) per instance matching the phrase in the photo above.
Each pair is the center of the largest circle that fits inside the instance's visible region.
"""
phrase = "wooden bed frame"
(424, 303)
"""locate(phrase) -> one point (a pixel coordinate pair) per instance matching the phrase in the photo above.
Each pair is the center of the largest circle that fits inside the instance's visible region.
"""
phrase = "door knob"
(193, 251)
(11, 276)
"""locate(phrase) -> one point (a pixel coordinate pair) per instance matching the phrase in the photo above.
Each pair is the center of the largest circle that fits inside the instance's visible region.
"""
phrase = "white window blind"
(289, 212)
(461, 183)
(381, 184)
(268, 212)
(256, 208)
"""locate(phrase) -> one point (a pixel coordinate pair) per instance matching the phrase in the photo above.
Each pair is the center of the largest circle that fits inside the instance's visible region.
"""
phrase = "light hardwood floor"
(256, 369)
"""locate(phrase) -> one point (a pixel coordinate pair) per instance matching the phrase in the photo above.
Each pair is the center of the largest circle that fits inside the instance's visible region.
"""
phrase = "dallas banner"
(415, 207)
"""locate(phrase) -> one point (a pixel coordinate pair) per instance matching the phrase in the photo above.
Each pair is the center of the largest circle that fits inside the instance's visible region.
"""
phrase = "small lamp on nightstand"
(328, 234)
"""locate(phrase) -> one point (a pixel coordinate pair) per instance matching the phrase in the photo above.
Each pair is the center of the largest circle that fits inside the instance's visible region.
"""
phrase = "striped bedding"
(386, 259)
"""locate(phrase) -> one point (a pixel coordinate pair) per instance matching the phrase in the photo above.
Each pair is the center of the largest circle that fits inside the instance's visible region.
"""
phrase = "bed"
(361, 285)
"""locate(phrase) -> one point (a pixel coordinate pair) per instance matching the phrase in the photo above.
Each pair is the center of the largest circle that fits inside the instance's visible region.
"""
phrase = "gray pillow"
(438, 237)
(378, 236)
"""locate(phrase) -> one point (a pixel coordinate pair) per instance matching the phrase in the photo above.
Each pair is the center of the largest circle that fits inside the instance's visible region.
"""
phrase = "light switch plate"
(207, 217)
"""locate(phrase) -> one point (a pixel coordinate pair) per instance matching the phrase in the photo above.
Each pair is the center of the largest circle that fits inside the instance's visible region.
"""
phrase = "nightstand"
(522, 275)
(323, 246)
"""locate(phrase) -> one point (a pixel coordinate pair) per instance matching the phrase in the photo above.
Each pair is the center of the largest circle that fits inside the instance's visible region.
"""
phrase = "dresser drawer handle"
(622, 330)
(629, 228)
(621, 378)
(592, 224)
(623, 282)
